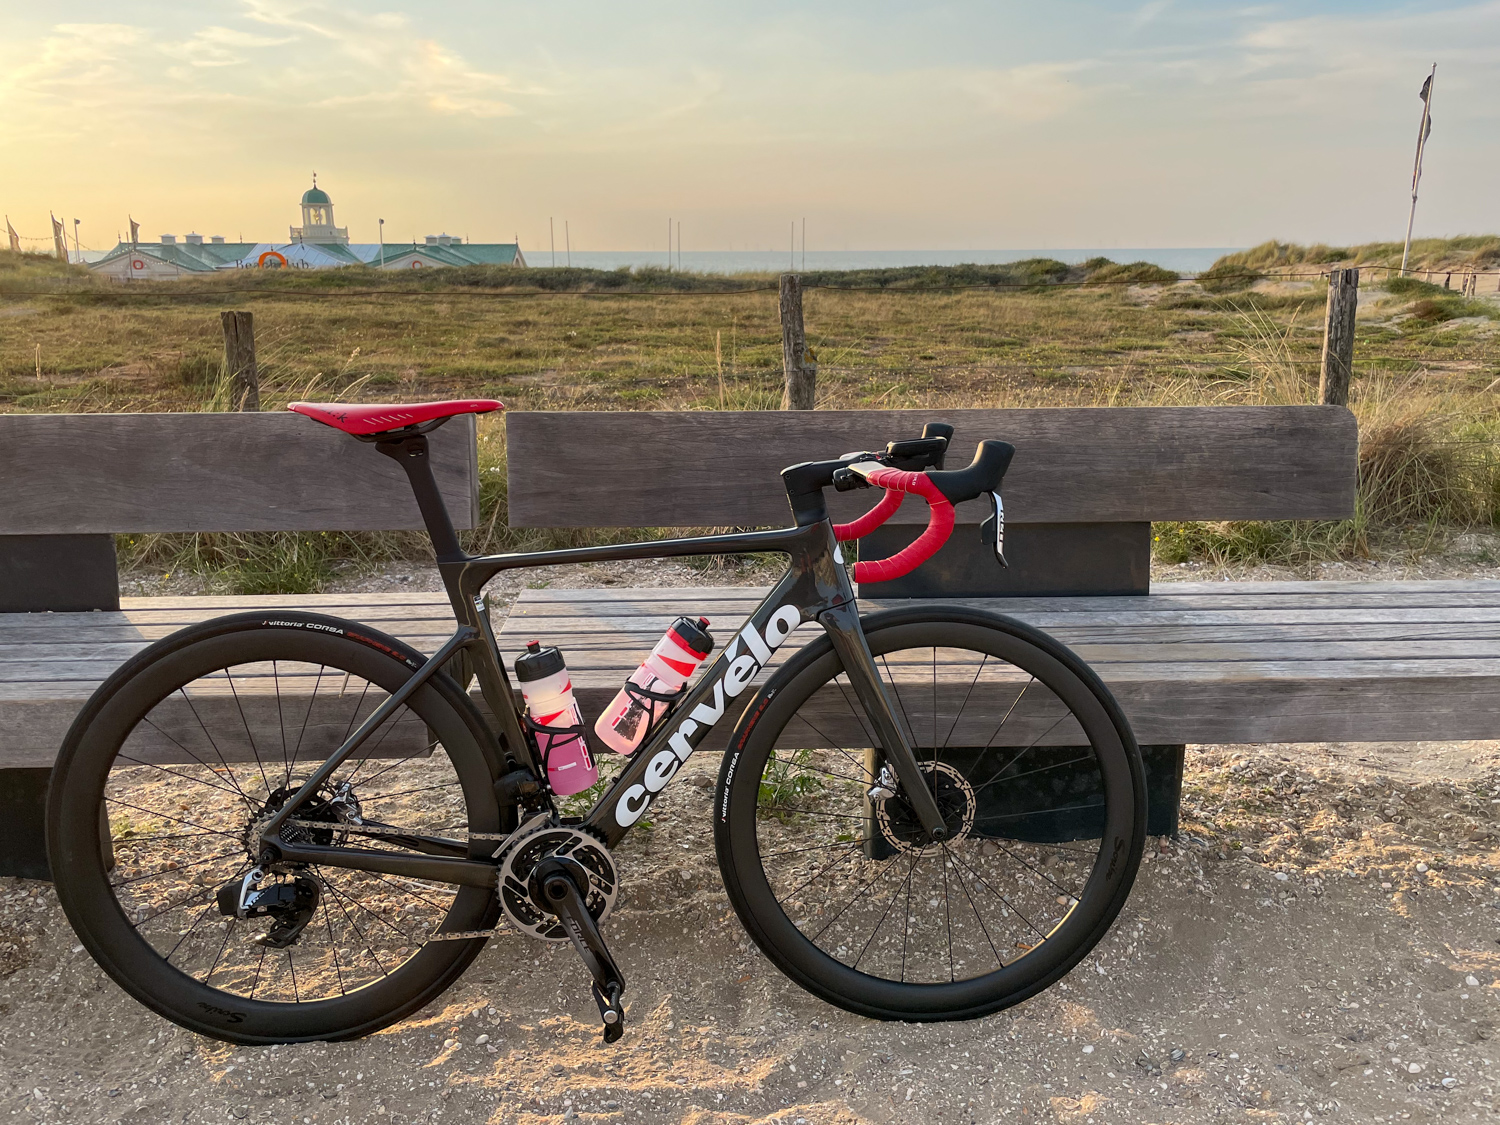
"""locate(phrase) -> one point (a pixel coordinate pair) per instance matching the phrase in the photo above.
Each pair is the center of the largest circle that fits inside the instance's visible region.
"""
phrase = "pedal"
(562, 883)
(612, 1012)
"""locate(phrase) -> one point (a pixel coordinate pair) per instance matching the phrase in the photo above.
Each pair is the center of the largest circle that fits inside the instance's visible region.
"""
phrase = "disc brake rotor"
(955, 800)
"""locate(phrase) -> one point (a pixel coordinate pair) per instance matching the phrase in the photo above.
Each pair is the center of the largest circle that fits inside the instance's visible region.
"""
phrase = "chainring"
(567, 842)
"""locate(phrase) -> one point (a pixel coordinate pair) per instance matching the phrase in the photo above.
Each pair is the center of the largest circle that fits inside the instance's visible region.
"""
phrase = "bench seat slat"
(1271, 664)
(1264, 667)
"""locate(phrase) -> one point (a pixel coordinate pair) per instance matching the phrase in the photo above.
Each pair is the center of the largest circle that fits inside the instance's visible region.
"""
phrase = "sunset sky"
(889, 126)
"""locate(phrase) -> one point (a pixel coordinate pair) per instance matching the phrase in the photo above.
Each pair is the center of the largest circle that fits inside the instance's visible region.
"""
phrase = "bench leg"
(1052, 805)
(23, 835)
(1049, 806)
(23, 841)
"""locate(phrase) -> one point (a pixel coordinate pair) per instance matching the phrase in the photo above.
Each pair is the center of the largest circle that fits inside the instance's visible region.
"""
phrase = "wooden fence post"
(1338, 337)
(239, 360)
(798, 363)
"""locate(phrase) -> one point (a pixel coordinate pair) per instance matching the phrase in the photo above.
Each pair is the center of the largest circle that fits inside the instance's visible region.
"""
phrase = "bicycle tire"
(769, 754)
(151, 804)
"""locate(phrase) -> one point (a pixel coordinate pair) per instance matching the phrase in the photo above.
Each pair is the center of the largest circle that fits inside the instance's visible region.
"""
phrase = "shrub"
(1139, 273)
(1225, 276)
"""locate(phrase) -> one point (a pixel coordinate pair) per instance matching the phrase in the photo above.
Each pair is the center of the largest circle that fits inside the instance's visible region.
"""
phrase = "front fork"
(843, 627)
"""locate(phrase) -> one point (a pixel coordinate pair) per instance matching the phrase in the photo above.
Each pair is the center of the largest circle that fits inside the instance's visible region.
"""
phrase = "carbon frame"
(815, 587)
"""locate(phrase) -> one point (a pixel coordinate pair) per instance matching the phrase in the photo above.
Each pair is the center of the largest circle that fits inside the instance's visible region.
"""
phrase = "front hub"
(955, 801)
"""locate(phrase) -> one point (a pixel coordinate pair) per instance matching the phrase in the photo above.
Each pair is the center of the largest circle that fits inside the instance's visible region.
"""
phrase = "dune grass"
(1424, 389)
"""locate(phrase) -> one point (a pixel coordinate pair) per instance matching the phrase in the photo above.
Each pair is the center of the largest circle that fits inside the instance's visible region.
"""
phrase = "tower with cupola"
(317, 219)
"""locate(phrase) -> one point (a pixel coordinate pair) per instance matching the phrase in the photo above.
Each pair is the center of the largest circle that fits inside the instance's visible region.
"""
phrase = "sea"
(1183, 259)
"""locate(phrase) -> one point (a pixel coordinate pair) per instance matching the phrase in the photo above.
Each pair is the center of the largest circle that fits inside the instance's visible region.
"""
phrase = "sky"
(961, 125)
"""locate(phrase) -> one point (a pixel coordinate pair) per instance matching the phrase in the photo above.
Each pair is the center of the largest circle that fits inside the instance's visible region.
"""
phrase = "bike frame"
(816, 587)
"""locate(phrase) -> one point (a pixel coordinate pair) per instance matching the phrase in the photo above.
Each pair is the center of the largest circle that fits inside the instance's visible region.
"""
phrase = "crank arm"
(563, 896)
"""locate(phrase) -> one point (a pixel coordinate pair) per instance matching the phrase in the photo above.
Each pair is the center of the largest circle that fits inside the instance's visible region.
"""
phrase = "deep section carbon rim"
(1035, 784)
(188, 754)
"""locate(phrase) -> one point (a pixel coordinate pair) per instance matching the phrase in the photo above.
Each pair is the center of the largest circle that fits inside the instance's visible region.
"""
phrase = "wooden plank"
(1323, 663)
(93, 473)
(720, 468)
(46, 678)
(1163, 598)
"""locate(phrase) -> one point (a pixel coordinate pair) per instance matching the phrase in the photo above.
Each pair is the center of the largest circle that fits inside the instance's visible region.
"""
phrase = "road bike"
(280, 826)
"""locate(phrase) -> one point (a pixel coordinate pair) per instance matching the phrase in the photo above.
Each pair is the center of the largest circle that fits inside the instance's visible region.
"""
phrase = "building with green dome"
(316, 245)
(317, 219)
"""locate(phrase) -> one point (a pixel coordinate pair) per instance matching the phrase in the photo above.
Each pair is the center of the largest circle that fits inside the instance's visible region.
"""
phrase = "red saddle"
(377, 418)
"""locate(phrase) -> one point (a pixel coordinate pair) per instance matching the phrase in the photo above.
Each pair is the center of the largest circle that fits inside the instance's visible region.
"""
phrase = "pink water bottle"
(654, 686)
(555, 719)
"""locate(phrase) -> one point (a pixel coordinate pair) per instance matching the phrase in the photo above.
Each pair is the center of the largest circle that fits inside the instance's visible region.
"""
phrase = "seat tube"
(411, 454)
(842, 624)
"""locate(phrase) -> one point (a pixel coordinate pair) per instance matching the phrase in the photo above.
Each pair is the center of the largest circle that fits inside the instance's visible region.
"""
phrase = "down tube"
(814, 583)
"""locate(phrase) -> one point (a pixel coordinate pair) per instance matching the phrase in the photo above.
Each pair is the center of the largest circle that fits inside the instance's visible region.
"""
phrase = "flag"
(1426, 96)
(15, 239)
(135, 230)
(58, 240)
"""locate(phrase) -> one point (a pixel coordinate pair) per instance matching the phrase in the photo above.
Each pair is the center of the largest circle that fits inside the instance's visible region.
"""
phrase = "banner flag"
(58, 242)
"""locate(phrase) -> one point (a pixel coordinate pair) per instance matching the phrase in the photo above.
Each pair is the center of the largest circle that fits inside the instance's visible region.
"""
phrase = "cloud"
(220, 46)
(383, 47)
(1148, 13)
(1036, 92)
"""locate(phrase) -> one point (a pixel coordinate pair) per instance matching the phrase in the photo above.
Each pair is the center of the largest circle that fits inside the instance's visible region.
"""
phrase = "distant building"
(316, 244)
(317, 218)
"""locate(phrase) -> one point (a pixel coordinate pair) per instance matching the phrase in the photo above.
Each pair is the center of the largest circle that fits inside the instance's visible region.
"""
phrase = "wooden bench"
(1191, 662)
(72, 481)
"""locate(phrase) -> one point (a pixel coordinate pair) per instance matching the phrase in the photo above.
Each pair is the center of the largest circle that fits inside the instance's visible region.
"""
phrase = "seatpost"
(411, 454)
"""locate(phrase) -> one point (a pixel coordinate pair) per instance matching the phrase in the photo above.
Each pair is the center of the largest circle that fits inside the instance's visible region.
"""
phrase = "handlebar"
(942, 490)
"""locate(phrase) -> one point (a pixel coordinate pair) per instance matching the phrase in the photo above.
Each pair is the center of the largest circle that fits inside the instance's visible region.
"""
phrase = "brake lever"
(992, 530)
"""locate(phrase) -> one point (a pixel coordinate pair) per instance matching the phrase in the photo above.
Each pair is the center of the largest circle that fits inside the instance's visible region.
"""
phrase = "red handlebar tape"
(906, 560)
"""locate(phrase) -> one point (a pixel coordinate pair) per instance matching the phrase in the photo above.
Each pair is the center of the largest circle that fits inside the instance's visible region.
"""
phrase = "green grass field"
(1029, 334)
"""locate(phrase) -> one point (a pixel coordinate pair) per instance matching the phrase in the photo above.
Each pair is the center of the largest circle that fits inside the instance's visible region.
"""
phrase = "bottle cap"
(537, 663)
(694, 635)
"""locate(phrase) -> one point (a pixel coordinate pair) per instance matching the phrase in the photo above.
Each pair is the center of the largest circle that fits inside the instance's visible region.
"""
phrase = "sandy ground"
(1320, 943)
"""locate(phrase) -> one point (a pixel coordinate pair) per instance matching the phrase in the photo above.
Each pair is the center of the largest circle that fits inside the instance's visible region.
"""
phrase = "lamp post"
(382, 244)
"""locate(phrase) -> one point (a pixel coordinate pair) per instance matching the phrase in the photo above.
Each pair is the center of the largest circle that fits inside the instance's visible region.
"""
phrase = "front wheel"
(1037, 775)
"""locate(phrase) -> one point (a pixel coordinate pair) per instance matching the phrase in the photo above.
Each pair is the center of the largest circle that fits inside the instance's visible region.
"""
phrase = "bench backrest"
(101, 473)
(73, 480)
(1084, 481)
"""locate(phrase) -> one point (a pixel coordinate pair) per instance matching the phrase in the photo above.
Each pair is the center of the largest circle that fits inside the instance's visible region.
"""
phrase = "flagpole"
(1416, 174)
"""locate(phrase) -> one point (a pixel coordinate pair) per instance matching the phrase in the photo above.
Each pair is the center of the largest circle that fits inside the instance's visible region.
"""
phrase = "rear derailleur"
(289, 904)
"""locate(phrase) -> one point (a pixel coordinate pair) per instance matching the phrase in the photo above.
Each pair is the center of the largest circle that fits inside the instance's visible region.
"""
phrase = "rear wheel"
(152, 829)
(1034, 769)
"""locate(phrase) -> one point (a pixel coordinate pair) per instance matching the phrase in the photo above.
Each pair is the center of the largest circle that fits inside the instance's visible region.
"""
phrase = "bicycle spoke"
(306, 718)
(865, 948)
(964, 705)
(233, 691)
(1000, 961)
